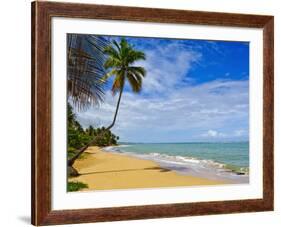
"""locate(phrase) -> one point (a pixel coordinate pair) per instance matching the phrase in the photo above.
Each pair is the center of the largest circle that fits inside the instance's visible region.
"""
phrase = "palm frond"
(137, 69)
(116, 45)
(121, 57)
(112, 62)
(112, 52)
(85, 69)
(135, 82)
(118, 83)
(135, 56)
(109, 74)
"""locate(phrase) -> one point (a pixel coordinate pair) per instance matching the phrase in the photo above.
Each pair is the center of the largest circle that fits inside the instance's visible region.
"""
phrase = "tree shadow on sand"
(127, 170)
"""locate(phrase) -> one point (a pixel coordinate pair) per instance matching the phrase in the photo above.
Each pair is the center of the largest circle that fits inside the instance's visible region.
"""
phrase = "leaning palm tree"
(85, 60)
(120, 65)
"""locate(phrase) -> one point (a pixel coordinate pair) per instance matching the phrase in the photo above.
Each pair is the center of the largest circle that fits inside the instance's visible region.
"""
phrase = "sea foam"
(190, 166)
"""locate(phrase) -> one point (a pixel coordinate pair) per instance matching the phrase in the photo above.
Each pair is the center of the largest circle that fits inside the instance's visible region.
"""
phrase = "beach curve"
(102, 170)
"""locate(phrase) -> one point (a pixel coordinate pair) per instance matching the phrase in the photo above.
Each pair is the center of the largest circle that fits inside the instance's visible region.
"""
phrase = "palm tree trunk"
(72, 160)
(117, 108)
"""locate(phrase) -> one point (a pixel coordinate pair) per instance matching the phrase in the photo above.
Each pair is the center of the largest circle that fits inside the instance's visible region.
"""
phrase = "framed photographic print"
(142, 113)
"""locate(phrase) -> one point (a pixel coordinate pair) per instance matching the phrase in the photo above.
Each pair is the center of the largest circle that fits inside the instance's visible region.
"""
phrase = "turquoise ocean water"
(214, 160)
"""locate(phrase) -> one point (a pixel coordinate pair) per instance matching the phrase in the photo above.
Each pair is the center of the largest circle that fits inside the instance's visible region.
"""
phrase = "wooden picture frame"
(42, 12)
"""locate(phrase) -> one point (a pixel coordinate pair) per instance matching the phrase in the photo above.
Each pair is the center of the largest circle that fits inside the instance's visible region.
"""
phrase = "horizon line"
(242, 141)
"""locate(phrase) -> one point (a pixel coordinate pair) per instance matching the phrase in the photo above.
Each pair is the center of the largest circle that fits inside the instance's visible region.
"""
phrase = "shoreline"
(105, 170)
(192, 166)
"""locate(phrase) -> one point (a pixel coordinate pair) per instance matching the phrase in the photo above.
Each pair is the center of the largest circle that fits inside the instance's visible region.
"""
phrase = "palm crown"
(120, 63)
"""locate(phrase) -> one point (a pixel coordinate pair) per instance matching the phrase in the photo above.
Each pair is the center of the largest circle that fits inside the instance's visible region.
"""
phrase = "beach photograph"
(150, 112)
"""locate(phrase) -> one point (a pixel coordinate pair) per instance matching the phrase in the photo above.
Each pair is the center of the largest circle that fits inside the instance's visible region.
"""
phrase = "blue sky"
(195, 90)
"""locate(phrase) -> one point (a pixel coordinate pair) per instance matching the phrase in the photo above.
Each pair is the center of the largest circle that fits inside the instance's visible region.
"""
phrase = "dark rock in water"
(71, 172)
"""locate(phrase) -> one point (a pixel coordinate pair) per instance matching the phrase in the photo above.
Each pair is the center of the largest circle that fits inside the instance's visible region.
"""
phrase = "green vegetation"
(75, 186)
(85, 87)
(71, 152)
(78, 137)
(107, 138)
(85, 60)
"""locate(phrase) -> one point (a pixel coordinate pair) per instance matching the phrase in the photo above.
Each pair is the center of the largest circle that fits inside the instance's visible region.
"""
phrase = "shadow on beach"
(126, 170)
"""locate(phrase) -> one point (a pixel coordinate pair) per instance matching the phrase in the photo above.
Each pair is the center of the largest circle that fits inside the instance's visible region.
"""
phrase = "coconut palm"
(120, 63)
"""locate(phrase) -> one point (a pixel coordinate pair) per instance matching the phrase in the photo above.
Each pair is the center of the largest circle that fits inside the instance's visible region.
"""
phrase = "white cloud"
(171, 107)
(167, 66)
(213, 134)
(188, 111)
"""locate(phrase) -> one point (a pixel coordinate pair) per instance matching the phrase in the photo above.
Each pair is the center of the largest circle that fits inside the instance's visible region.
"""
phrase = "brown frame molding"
(42, 12)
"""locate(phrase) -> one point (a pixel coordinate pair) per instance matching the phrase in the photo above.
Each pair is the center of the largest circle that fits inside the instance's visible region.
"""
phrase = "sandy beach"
(102, 170)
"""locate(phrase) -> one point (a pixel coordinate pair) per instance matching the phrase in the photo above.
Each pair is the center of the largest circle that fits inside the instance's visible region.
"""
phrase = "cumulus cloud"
(167, 67)
(171, 108)
(213, 134)
(188, 111)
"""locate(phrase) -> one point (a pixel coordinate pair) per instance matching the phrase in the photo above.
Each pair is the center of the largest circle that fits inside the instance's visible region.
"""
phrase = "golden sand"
(105, 171)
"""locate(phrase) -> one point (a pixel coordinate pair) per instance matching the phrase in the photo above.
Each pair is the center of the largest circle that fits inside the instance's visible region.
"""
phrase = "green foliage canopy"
(78, 137)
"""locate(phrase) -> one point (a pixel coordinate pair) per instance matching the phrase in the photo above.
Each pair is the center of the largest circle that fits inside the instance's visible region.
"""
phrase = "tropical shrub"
(78, 137)
(75, 186)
